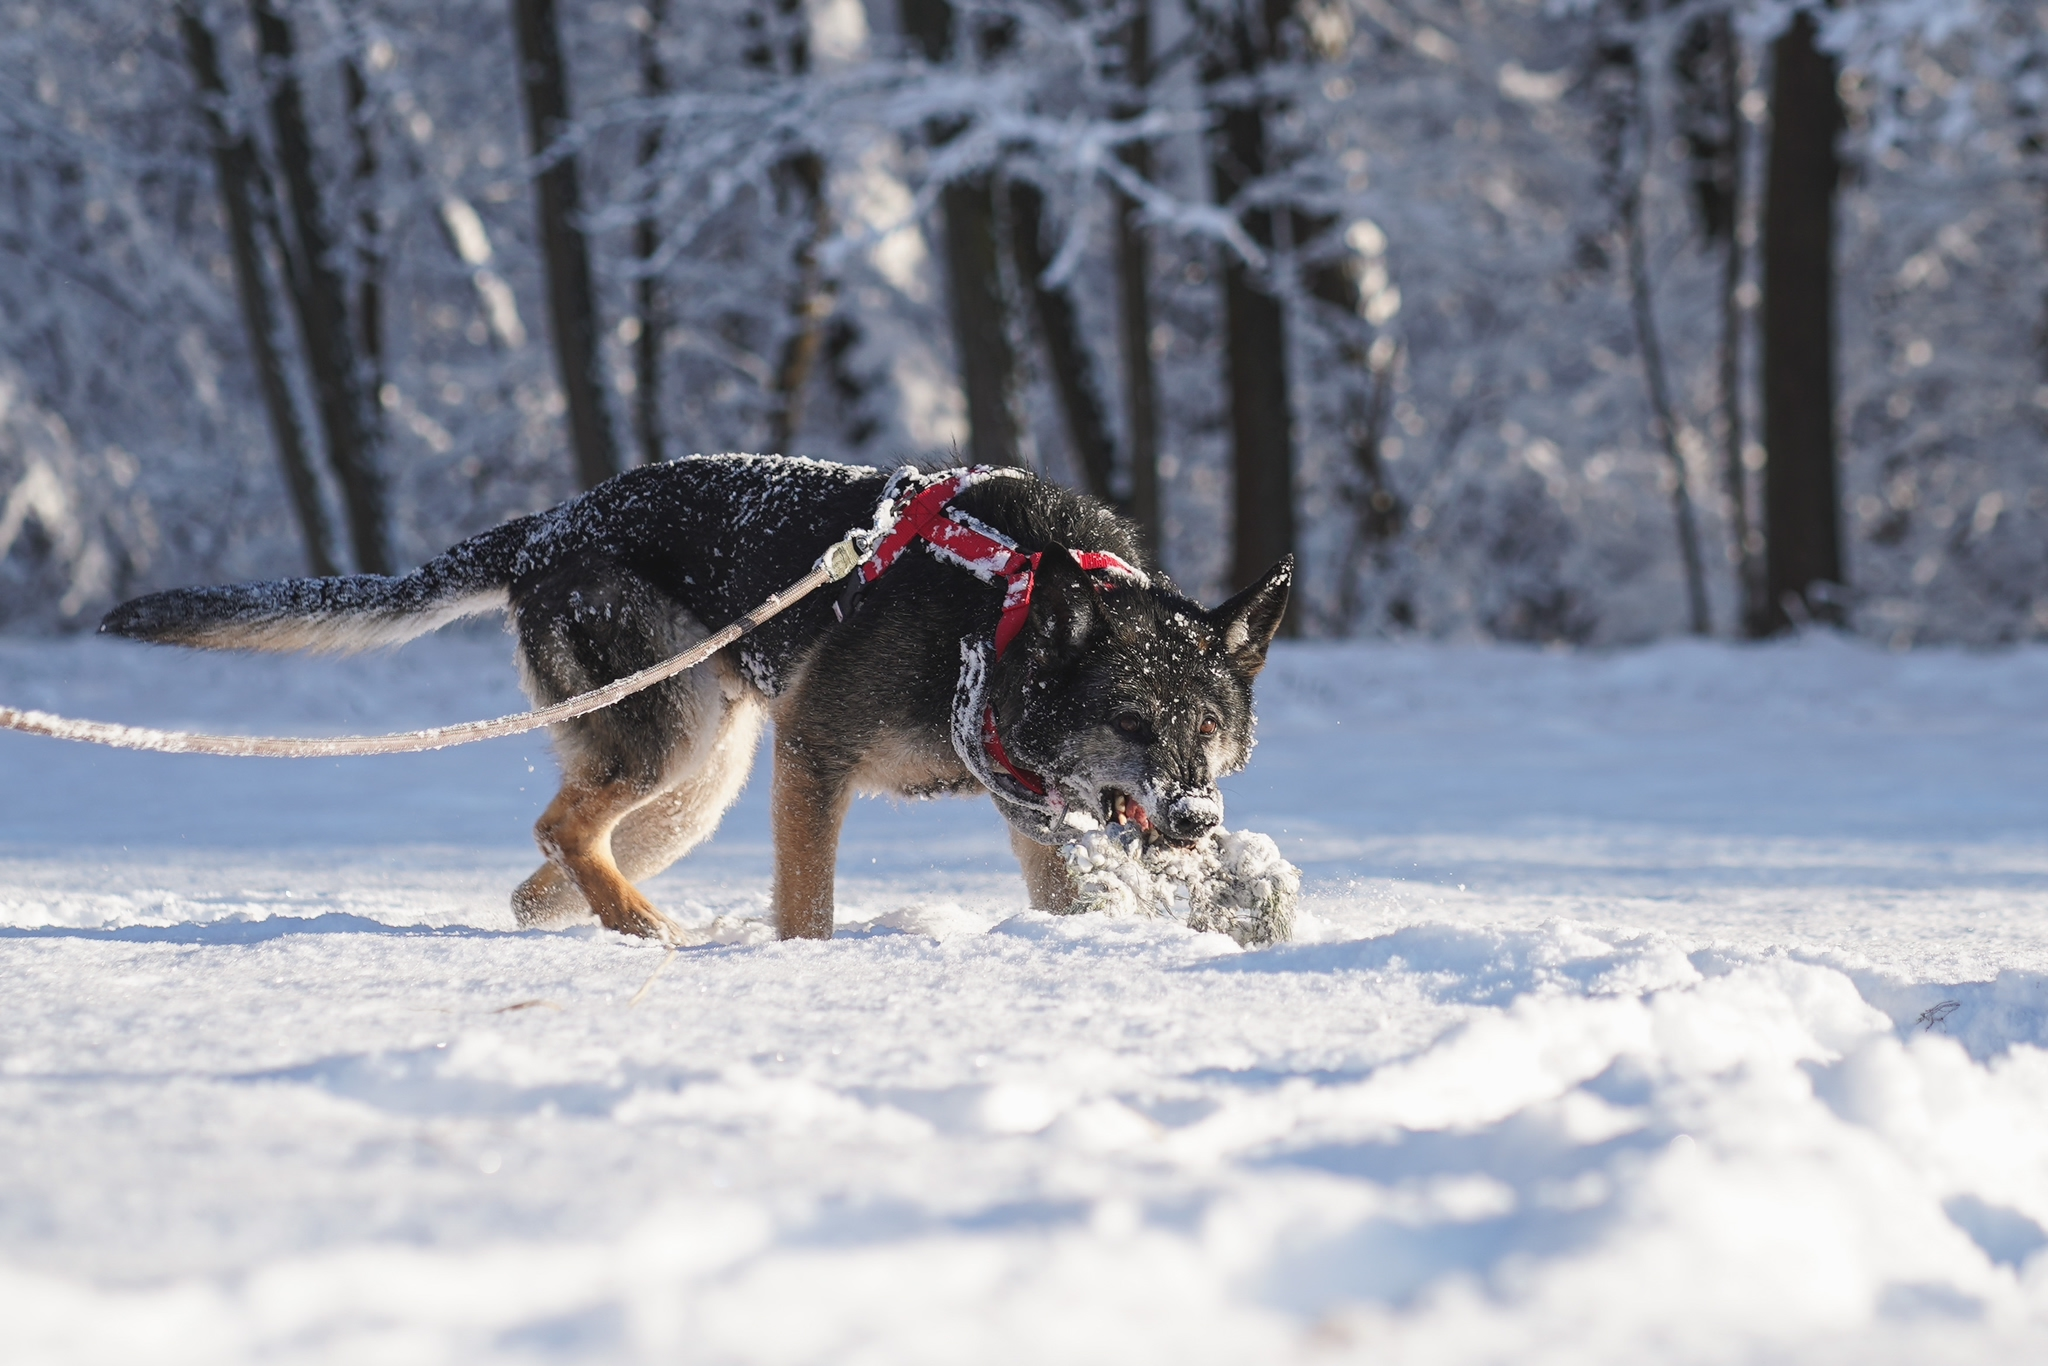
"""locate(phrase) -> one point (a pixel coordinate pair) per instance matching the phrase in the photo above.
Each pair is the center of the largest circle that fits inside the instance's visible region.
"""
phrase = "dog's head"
(1130, 702)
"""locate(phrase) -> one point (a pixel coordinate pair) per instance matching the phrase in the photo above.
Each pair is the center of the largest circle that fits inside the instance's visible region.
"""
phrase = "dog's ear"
(1064, 610)
(1247, 622)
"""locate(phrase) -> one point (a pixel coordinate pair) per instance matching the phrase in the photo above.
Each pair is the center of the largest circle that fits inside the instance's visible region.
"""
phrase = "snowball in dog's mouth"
(1121, 809)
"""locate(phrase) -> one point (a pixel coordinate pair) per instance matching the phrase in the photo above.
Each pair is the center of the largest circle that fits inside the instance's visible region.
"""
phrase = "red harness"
(959, 538)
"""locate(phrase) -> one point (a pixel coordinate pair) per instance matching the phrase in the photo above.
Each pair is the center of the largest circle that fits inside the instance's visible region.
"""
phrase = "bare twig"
(648, 985)
(1936, 1015)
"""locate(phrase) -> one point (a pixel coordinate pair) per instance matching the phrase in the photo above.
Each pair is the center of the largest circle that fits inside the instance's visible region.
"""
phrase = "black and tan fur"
(1111, 692)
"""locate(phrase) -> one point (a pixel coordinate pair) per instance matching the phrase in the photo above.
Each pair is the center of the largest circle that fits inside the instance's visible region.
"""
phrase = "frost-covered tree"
(1516, 300)
(1945, 351)
(573, 318)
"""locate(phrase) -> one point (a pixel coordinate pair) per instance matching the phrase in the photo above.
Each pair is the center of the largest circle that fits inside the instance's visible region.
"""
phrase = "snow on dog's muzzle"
(1188, 816)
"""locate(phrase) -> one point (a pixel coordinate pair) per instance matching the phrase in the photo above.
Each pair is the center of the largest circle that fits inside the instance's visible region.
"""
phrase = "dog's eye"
(1129, 722)
(1209, 726)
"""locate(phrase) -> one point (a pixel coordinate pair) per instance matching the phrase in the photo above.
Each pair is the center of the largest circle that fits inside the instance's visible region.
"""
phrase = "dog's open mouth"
(1119, 808)
(1121, 811)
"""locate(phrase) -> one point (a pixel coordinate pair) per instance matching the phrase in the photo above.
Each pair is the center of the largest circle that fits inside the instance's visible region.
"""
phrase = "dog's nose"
(1191, 815)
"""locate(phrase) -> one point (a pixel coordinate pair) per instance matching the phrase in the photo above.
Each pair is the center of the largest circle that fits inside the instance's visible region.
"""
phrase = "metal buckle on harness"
(862, 543)
(842, 558)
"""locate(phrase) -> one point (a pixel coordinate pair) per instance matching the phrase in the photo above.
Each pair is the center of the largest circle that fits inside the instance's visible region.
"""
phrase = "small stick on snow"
(1936, 1015)
(648, 985)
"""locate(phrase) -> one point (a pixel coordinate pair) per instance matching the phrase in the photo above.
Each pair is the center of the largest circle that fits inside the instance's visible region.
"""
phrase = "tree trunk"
(1708, 106)
(974, 282)
(369, 227)
(565, 252)
(1141, 388)
(1663, 415)
(1059, 328)
(1255, 325)
(1378, 513)
(235, 167)
(851, 387)
(1801, 506)
(1134, 299)
(347, 416)
(650, 295)
(810, 300)
(1261, 421)
(981, 329)
(784, 46)
(1749, 559)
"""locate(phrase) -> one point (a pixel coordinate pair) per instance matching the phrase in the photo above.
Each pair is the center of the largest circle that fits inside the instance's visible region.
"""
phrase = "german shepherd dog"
(1116, 697)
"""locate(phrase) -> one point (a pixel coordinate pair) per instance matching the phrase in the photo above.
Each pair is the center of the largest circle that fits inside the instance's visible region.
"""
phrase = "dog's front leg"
(809, 801)
(1046, 879)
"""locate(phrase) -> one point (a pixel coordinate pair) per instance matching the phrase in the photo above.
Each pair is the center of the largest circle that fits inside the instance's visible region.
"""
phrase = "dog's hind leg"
(684, 814)
(547, 898)
(704, 779)
(578, 628)
(575, 832)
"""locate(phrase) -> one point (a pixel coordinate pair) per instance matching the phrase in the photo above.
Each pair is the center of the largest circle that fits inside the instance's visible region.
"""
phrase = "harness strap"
(993, 743)
(957, 537)
(960, 538)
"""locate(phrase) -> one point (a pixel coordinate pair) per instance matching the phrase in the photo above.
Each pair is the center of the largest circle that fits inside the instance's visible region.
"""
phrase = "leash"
(836, 563)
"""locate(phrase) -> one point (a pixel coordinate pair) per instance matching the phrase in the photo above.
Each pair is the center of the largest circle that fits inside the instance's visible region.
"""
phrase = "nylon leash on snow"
(836, 563)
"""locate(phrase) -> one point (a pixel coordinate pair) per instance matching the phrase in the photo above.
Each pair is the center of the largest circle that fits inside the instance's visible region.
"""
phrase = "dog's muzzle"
(1189, 816)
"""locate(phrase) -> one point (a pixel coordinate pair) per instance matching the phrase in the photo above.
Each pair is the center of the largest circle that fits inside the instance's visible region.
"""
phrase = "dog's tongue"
(1136, 815)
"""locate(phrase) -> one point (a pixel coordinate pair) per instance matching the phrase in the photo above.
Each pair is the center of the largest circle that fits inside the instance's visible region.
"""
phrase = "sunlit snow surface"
(1604, 1043)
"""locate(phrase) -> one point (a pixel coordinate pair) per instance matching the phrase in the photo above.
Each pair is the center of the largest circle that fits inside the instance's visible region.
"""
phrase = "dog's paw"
(634, 914)
(548, 900)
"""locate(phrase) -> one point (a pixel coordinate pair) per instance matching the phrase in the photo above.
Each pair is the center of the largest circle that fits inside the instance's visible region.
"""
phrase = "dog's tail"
(331, 616)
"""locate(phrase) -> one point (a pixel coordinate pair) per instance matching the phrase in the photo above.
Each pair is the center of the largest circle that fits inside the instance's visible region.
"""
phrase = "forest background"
(1585, 322)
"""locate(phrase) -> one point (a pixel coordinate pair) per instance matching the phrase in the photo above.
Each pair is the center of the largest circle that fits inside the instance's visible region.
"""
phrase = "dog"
(1018, 645)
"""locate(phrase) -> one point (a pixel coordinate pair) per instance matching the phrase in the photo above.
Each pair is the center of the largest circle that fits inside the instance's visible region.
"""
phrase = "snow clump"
(1231, 881)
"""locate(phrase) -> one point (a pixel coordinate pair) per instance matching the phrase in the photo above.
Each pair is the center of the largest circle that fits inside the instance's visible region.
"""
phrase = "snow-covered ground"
(1673, 1005)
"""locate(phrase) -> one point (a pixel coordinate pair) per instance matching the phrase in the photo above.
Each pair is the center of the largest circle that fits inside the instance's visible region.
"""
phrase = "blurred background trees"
(1587, 323)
